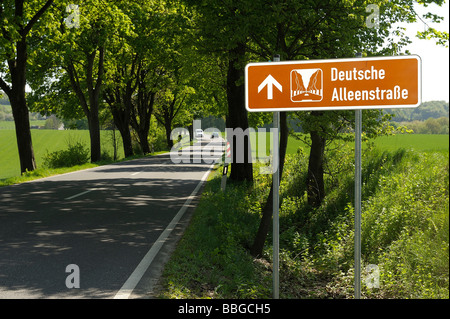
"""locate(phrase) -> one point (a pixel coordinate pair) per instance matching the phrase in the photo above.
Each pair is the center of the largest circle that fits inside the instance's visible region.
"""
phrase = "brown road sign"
(338, 84)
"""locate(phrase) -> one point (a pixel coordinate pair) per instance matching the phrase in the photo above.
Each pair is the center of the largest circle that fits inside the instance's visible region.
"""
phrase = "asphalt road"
(107, 221)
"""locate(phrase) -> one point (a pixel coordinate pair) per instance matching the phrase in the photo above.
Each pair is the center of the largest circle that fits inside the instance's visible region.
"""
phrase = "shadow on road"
(105, 231)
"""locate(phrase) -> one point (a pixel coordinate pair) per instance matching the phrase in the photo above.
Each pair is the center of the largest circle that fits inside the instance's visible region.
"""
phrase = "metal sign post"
(358, 124)
(276, 203)
(358, 131)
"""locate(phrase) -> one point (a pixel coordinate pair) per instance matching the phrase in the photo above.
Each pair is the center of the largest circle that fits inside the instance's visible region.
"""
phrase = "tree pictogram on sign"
(306, 85)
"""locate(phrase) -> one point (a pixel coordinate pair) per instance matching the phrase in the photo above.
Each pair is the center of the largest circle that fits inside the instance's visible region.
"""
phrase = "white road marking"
(135, 173)
(135, 277)
(80, 194)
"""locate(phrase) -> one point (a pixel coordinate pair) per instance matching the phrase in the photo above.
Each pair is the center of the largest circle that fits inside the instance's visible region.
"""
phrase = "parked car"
(215, 135)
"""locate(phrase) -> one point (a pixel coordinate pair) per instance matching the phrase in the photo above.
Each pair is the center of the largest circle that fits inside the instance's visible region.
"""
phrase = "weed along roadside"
(47, 171)
(405, 229)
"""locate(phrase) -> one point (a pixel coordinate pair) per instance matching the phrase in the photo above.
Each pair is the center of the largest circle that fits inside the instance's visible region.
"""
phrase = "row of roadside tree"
(180, 60)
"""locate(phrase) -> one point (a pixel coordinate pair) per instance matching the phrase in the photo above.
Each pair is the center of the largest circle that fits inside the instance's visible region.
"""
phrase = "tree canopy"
(174, 61)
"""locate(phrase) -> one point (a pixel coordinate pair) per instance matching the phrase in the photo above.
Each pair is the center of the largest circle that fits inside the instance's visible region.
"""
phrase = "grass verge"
(211, 260)
(42, 173)
(404, 226)
(48, 172)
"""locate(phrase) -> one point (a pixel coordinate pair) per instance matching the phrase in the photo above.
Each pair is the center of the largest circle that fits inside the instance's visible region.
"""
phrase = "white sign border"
(337, 108)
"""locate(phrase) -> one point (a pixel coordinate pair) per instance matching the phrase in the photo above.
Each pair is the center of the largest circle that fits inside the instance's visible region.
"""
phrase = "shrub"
(75, 154)
(405, 232)
(211, 260)
(404, 225)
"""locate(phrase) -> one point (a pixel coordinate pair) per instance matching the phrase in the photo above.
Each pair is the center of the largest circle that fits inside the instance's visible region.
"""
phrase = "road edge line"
(127, 289)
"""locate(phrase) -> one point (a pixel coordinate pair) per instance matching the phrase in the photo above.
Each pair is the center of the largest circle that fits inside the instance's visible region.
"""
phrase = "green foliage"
(405, 231)
(6, 113)
(52, 123)
(75, 154)
(430, 126)
(157, 137)
(441, 37)
(432, 109)
(404, 226)
(211, 260)
(45, 141)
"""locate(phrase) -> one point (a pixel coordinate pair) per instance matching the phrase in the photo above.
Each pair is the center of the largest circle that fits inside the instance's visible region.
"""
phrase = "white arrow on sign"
(270, 82)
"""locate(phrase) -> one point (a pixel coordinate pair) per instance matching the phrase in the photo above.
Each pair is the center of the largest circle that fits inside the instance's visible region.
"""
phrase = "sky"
(435, 59)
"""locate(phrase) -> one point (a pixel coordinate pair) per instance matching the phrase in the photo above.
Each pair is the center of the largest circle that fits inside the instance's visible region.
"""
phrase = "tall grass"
(211, 260)
(404, 227)
(404, 232)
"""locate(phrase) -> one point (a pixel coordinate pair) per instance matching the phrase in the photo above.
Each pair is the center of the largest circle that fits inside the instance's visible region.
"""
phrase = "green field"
(418, 142)
(45, 141)
(9, 125)
(52, 140)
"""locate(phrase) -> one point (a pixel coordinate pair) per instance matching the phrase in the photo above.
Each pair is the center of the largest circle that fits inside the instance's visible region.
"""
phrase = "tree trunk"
(94, 101)
(143, 140)
(143, 127)
(120, 106)
(237, 112)
(94, 134)
(23, 132)
(90, 109)
(126, 139)
(168, 128)
(121, 117)
(315, 183)
(141, 112)
(124, 128)
(266, 219)
(19, 107)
